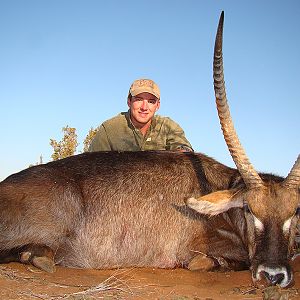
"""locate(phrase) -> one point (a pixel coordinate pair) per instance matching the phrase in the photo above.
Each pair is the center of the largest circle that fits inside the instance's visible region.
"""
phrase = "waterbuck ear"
(216, 203)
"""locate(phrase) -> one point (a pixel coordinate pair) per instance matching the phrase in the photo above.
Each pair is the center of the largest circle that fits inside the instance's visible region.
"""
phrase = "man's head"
(143, 101)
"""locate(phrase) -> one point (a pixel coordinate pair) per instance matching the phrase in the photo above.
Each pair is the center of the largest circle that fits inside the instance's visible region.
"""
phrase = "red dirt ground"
(24, 282)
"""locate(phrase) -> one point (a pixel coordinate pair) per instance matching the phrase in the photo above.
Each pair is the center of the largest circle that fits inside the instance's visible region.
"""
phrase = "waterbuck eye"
(257, 223)
(286, 225)
(246, 208)
(297, 213)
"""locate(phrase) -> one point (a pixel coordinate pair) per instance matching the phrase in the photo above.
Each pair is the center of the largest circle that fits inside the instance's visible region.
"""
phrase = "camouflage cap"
(144, 86)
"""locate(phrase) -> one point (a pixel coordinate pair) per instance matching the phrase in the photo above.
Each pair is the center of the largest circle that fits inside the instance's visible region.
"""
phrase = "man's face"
(142, 107)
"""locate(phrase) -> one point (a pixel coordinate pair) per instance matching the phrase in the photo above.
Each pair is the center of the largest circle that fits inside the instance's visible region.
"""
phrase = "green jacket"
(119, 134)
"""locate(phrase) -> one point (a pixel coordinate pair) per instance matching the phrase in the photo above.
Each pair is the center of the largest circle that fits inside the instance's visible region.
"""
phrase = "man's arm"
(176, 139)
(100, 142)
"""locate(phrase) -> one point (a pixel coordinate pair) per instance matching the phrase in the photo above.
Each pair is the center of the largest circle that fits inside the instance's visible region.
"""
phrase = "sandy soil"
(25, 282)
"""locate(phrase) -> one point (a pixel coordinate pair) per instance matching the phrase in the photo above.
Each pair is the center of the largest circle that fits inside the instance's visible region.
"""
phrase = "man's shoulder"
(119, 118)
(163, 119)
(167, 123)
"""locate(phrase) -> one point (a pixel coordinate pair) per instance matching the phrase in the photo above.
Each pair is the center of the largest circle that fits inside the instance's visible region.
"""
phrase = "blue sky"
(72, 62)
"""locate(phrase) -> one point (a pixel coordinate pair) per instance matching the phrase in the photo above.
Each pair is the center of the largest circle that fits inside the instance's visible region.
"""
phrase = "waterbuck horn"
(250, 176)
(293, 179)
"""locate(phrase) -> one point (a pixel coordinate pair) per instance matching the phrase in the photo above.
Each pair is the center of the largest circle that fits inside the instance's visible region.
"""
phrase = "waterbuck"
(154, 209)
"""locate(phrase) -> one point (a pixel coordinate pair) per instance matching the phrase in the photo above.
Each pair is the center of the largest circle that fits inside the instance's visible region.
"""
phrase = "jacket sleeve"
(176, 139)
(100, 142)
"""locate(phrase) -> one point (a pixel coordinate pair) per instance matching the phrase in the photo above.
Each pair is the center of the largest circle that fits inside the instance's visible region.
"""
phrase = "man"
(139, 128)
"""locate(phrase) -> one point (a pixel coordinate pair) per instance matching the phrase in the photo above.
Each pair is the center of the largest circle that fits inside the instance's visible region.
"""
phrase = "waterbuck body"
(111, 209)
(156, 209)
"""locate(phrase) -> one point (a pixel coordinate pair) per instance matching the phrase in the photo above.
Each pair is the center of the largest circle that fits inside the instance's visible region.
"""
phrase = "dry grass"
(118, 285)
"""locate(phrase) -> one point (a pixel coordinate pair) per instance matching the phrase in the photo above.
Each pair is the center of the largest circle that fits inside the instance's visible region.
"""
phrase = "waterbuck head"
(271, 209)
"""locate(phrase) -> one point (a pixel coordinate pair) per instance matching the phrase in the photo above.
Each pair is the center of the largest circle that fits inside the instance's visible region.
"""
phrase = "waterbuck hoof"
(44, 263)
(201, 263)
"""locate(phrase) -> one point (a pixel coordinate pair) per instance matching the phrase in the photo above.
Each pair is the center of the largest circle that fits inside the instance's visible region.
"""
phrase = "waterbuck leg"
(7, 256)
(40, 256)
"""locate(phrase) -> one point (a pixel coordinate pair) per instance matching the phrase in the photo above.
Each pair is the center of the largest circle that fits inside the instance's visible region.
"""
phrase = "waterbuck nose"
(272, 275)
(274, 279)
